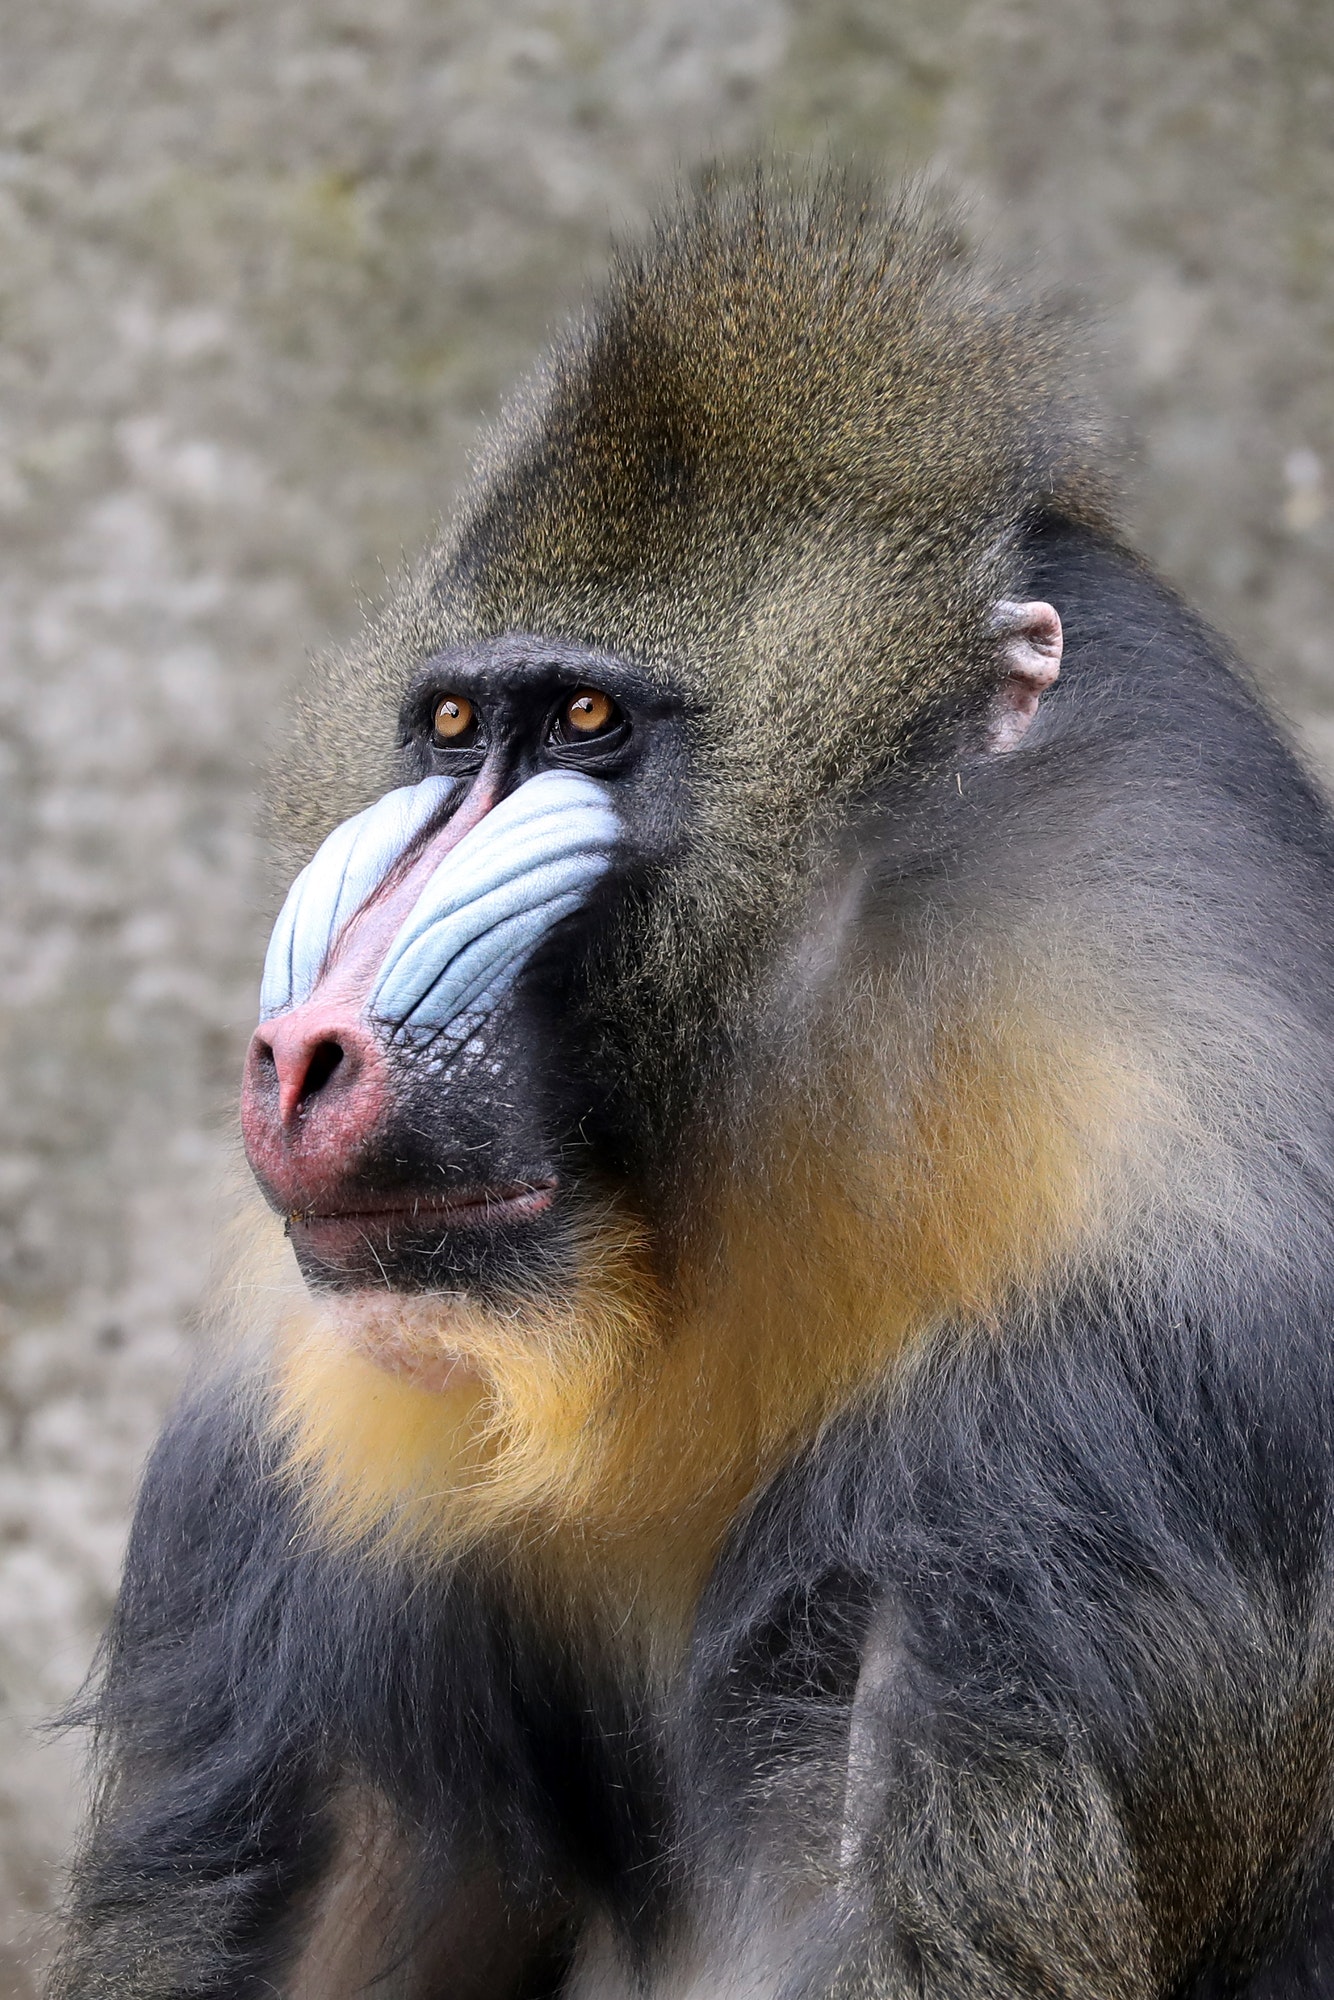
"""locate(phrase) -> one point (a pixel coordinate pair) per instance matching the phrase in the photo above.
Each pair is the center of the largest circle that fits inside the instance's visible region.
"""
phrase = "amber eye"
(588, 712)
(455, 719)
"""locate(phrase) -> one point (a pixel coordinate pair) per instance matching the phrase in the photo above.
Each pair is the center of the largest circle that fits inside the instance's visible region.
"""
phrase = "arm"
(207, 1827)
(253, 1686)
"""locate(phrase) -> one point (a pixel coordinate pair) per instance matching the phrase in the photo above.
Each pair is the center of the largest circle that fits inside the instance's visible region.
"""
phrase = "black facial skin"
(507, 1131)
(518, 685)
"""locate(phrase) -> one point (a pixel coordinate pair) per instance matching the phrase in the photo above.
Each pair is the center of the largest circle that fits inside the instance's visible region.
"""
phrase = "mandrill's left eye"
(585, 716)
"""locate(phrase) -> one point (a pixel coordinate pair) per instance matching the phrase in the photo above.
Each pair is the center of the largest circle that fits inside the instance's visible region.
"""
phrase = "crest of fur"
(783, 458)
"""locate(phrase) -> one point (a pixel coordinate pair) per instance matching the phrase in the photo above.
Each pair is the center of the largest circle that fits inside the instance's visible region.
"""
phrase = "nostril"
(316, 1090)
(300, 1071)
(324, 1060)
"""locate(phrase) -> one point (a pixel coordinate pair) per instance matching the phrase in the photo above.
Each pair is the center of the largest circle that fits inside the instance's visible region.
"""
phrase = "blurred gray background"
(264, 264)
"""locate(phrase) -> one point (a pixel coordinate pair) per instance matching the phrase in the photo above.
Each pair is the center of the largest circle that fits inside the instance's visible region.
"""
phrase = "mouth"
(418, 1215)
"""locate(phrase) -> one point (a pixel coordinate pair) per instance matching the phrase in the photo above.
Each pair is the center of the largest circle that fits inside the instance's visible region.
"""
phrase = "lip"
(477, 1208)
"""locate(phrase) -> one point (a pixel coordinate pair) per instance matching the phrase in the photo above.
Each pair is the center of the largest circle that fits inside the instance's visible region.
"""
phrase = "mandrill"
(791, 1453)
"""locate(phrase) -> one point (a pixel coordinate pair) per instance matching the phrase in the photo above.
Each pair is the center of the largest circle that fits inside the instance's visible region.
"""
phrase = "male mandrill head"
(634, 1073)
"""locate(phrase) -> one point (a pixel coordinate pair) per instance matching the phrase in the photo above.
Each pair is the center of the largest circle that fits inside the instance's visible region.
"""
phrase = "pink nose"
(315, 1091)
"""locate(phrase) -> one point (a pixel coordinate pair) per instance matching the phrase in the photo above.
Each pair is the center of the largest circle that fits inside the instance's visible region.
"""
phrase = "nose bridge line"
(352, 904)
(434, 839)
(494, 879)
(533, 861)
(337, 883)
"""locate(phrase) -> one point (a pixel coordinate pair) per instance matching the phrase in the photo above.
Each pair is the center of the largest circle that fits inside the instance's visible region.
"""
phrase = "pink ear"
(1031, 650)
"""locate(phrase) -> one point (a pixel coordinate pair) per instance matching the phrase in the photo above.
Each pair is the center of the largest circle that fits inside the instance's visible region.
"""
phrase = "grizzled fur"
(1013, 1677)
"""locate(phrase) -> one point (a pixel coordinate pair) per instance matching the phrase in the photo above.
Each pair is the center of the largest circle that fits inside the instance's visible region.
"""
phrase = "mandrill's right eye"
(454, 721)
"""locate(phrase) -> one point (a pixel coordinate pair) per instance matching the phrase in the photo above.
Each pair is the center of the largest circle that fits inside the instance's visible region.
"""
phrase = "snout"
(381, 1107)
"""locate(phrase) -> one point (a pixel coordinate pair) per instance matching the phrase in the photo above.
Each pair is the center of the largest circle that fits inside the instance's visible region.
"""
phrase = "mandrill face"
(422, 1099)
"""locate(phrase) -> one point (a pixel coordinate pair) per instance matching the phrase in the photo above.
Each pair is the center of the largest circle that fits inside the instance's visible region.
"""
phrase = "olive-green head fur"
(783, 461)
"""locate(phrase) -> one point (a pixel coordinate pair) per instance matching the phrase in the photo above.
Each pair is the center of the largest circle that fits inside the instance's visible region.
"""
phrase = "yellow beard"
(616, 1430)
